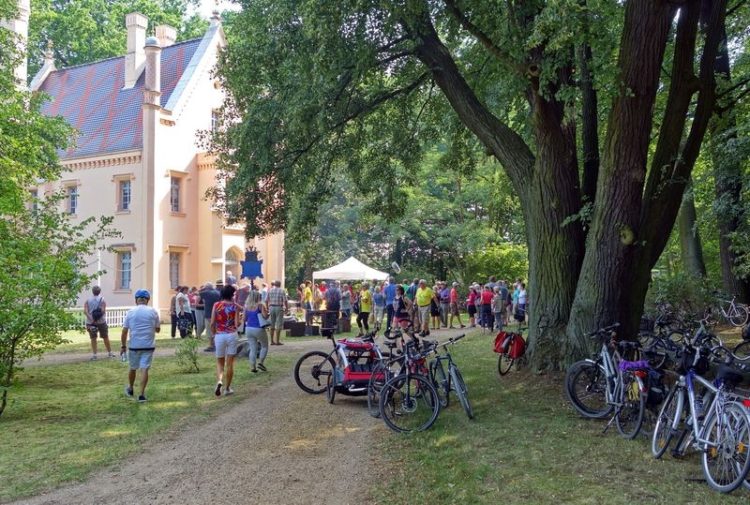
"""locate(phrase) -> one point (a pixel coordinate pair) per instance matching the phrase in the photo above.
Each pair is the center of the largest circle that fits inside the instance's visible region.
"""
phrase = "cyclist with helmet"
(142, 324)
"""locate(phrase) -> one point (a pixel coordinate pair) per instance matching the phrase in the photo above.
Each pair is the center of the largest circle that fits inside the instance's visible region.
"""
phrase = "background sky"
(207, 7)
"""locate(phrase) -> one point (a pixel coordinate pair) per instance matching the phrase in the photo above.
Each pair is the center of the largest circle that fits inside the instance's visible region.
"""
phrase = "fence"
(115, 316)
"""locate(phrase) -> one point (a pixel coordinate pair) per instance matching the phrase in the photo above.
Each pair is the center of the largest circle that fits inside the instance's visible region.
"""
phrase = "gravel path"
(278, 446)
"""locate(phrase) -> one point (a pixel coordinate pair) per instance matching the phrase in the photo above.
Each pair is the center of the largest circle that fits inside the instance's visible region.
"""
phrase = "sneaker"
(254, 370)
(128, 391)
(92, 358)
(228, 391)
(141, 399)
(217, 391)
(262, 367)
(111, 355)
(209, 349)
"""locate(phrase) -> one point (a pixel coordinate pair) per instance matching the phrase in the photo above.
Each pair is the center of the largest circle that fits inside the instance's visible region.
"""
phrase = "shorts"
(140, 359)
(101, 328)
(276, 317)
(226, 344)
(472, 310)
(454, 309)
(424, 313)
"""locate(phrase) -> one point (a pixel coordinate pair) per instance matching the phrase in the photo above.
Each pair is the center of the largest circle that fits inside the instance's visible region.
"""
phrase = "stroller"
(355, 360)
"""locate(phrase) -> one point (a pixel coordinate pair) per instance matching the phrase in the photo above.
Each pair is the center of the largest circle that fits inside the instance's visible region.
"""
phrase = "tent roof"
(350, 269)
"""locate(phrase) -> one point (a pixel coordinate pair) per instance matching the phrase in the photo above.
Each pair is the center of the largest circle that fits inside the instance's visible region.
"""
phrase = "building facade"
(138, 158)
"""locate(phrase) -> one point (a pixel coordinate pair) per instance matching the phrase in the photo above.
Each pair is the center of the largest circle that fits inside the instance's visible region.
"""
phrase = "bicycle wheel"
(409, 403)
(311, 370)
(738, 315)
(726, 459)
(629, 418)
(663, 433)
(743, 349)
(330, 389)
(462, 392)
(440, 381)
(380, 375)
(504, 362)
(586, 388)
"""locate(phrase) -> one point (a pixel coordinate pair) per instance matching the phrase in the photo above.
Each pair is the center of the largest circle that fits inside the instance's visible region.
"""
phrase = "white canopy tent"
(350, 270)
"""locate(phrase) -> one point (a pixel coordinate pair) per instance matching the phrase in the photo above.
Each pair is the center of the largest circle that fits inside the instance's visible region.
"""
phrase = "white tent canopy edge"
(350, 269)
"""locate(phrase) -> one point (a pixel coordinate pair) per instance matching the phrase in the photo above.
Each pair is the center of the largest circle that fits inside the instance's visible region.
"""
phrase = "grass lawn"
(65, 421)
(526, 445)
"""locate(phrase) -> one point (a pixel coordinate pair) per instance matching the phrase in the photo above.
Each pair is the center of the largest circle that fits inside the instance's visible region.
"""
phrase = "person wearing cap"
(424, 298)
(141, 324)
(453, 297)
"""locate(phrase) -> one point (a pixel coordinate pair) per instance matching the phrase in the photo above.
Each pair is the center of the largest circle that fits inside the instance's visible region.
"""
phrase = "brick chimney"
(136, 24)
(166, 35)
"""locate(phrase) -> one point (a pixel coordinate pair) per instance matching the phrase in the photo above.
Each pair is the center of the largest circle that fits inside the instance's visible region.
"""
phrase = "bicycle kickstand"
(610, 422)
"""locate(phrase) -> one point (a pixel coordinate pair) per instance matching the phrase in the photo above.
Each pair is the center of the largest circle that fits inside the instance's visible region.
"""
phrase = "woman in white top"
(184, 312)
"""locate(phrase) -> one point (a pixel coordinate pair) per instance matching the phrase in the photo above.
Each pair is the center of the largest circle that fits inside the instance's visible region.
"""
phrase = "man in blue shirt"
(390, 294)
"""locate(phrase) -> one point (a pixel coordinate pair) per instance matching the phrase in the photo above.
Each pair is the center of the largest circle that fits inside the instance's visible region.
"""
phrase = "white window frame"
(120, 284)
(178, 181)
(175, 275)
(124, 201)
(72, 199)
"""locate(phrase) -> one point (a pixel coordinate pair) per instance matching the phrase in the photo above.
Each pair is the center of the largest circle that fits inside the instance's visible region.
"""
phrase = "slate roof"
(109, 119)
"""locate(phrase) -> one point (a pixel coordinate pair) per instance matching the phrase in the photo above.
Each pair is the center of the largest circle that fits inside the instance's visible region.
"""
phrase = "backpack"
(97, 313)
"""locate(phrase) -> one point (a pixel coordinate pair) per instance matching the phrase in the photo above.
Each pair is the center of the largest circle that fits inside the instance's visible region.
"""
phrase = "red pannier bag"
(517, 347)
(500, 342)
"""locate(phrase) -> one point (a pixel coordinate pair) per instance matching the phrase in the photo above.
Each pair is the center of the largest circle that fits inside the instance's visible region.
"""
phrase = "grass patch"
(65, 421)
(526, 445)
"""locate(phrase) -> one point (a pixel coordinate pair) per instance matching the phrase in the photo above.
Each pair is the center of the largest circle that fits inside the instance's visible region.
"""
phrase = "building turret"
(20, 26)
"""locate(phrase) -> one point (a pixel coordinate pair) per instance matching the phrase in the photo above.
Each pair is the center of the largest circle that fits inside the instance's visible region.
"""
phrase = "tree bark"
(546, 185)
(613, 238)
(691, 249)
(590, 125)
(727, 184)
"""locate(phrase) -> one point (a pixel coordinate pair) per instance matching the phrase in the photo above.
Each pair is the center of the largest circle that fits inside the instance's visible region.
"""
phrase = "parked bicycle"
(511, 347)
(409, 402)
(608, 384)
(452, 380)
(716, 424)
(731, 311)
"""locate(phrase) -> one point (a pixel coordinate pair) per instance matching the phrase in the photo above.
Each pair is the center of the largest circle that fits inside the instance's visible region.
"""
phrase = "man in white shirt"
(142, 323)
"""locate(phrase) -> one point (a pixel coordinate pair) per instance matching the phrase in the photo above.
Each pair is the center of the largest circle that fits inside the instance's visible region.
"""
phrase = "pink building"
(137, 158)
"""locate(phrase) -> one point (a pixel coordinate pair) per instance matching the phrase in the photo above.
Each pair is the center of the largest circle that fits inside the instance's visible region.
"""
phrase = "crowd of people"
(425, 307)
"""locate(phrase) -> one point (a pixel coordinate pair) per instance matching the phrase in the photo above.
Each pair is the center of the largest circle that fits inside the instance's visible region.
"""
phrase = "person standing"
(254, 332)
(95, 310)
(193, 299)
(522, 300)
(173, 311)
(346, 302)
(141, 324)
(423, 299)
(455, 312)
(435, 308)
(378, 303)
(333, 306)
(184, 312)
(471, 305)
(209, 295)
(504, 296)
(445, 303)
(365, 307)
(498, 306)
(485, 313)
(276, 304)
(307, 298)
(231, 280)
(390, 294)
(226, 319)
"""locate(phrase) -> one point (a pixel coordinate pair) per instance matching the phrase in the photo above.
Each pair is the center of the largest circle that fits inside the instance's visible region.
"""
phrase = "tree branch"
(739, 4)
(483, 38)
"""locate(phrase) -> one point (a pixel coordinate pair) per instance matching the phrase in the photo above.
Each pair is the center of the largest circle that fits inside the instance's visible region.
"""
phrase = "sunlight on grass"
(55, 410)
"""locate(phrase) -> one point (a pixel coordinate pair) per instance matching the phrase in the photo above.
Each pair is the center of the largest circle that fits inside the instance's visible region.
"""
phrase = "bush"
(504, 261)
(687, 294)
(187, 355)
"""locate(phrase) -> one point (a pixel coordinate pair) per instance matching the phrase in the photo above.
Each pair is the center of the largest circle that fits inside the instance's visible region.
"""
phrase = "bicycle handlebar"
(601, 331)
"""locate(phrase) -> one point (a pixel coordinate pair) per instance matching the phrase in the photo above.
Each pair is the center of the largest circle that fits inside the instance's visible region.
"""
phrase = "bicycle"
(610, 383)
(409, 402)
(721, 432)
(511, 346)
(735, 313)
(312, 370)
(453, 380)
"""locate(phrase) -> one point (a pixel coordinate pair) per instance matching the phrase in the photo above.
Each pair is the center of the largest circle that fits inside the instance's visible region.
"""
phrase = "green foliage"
(504, 261)
(687, 294)
(89, 30)
(187, 355)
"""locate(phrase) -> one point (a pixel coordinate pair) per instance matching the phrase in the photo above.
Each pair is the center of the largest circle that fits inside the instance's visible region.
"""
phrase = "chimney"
(20, 27)
(166, 35)
(152, 87)
(136, 24)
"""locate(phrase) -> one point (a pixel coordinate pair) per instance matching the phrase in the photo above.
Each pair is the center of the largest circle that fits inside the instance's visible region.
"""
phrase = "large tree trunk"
(546, 185)
(614, 236)
(691, 250)
(728, 184)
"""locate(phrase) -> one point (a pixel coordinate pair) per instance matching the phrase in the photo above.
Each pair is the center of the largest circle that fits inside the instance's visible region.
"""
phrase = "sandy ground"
(279, 446)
